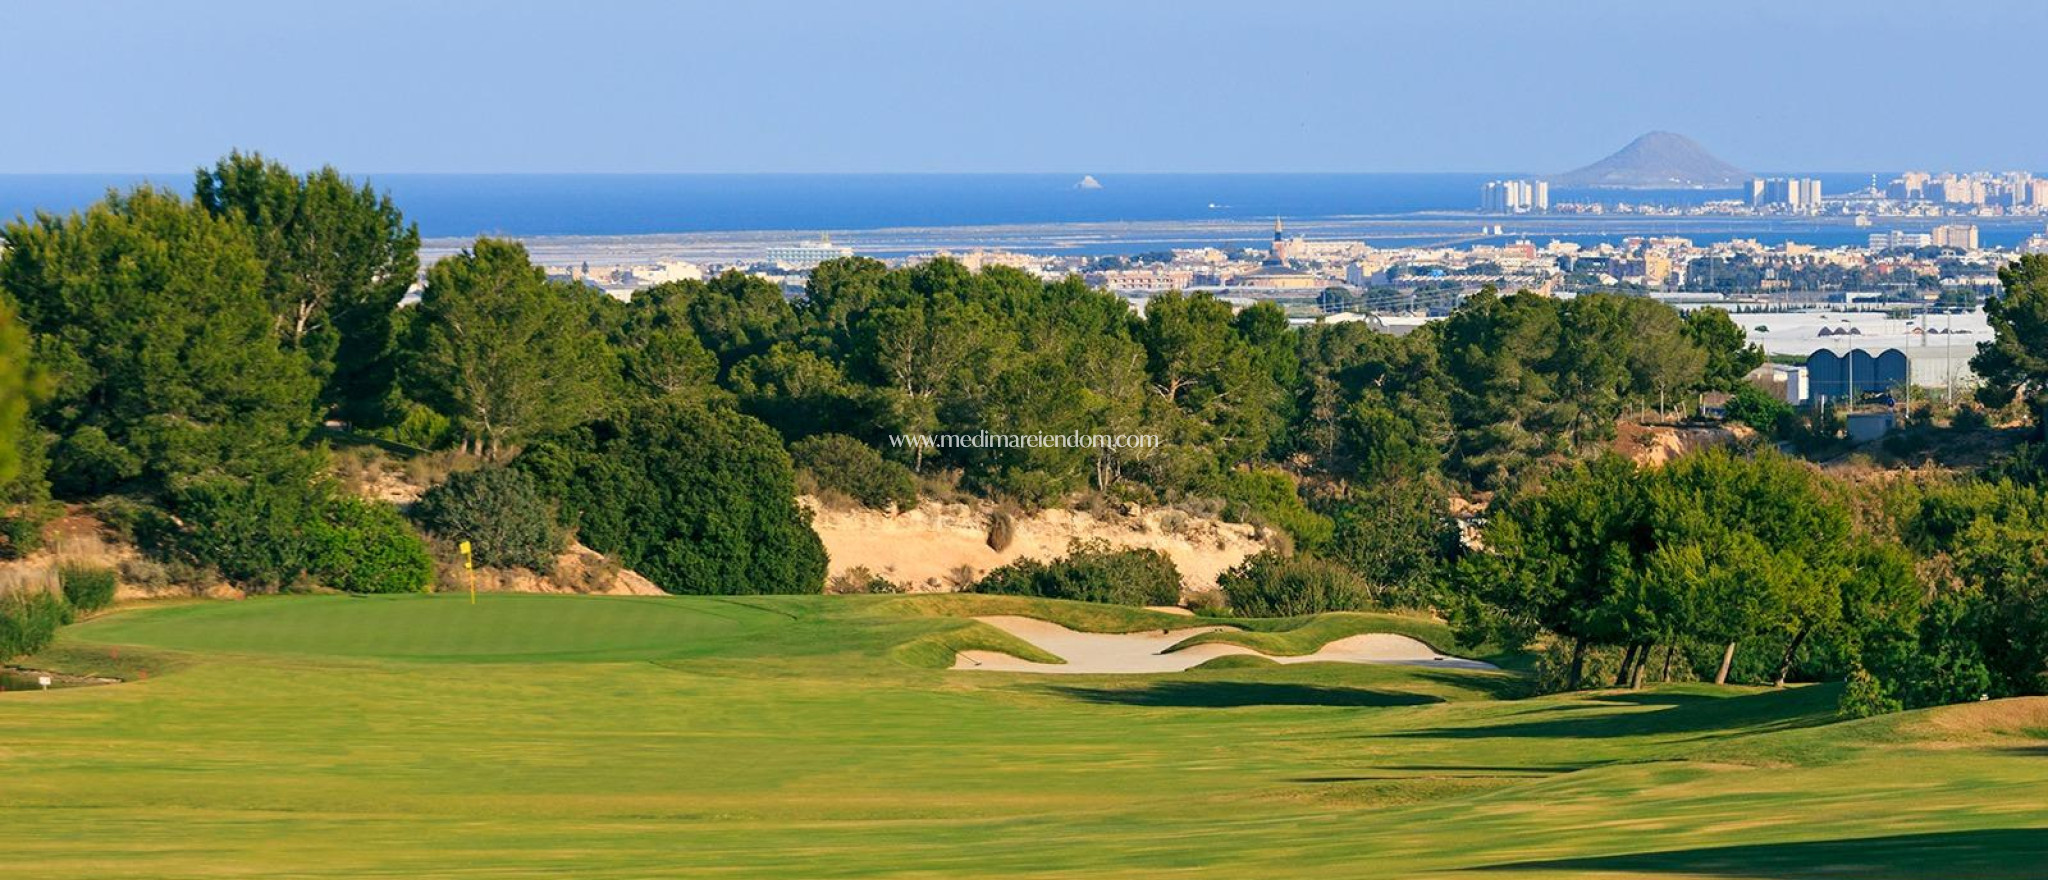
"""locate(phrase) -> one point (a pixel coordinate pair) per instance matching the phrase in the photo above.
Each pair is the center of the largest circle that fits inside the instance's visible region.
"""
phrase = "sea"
(1167, 210)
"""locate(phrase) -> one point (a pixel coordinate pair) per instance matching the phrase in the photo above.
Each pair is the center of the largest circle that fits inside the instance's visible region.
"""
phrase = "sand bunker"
(1098, 653)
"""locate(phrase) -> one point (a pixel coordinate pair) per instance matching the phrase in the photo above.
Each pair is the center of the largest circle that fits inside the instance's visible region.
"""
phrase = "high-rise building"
(1954, 190)
(1910, 186)
(1800, 194)
(1962, 236)
(1515, 196)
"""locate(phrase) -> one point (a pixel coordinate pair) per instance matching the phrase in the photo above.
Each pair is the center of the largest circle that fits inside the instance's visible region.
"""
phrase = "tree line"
(178, 355)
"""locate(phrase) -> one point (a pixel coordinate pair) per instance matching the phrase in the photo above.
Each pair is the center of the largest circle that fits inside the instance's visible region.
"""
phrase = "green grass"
(799, 737)
(939, 650)
(1082, 616)
(1295, 636)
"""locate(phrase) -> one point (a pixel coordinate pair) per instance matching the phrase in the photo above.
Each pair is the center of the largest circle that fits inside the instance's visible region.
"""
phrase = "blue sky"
(996, 85)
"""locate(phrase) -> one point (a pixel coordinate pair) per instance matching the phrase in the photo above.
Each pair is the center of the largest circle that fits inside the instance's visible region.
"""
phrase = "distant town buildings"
(1515, 197)
(2035, 244)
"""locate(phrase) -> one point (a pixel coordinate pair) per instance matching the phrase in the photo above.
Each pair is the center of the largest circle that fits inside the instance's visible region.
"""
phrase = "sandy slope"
(1098, 653)
(927, 548)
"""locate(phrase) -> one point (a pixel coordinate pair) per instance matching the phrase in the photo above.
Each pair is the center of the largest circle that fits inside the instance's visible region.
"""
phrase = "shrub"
(361, 546)
(1551, 671)
(417, 426)
(697, 497)
(1208, 603)
(1269, 496)
(148, 574)
(1271, 585)
(1969, 418)
(1864, 696)
(1091, 572)
(291, 525)
(1759, 410)
(28, 621)
(858, 580)
(254, 532)
(501, 513)
(21, 531)
(88, 588)
(841, 464)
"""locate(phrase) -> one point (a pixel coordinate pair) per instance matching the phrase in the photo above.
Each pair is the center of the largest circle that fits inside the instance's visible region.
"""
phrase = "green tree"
(338, 258)
(1761, 411)
(1663, 359)
(1201, 363)
(150, 318)
(801, 393)
(1372, 405)
(2014, 364)
(734, 315)
(506, 353)
(1501, 399)
(15, 390)
(1730, 356)
(1399, 536)
(1562, 560)
(839, 289)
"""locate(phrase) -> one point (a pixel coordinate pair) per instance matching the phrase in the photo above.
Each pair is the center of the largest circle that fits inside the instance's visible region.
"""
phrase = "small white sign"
(43, 680)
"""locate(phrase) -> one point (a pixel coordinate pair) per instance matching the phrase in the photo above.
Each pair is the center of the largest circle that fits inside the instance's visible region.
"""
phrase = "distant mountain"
(1658, 160)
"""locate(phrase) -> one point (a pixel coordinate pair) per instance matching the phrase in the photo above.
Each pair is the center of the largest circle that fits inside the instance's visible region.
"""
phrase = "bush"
(1969, 418)
(28, 622)
(148, 574)
(21, 531)
(361, 546)
(841, 464)
(1269, 496)
(1271, 585)
(417, 426)
(1551, 671)
(88, 588)
(1759, 410)
(254, 532)
(501, 513)
(697, 497)
(1091, 572)
(291, 526)
(1865, 696)
(858, 580)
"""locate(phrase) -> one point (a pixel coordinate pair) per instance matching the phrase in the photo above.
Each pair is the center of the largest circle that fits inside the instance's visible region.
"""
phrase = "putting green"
(499, 627)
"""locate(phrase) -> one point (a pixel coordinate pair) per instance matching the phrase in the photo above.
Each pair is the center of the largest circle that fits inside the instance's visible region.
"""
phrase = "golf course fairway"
(821, 737)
